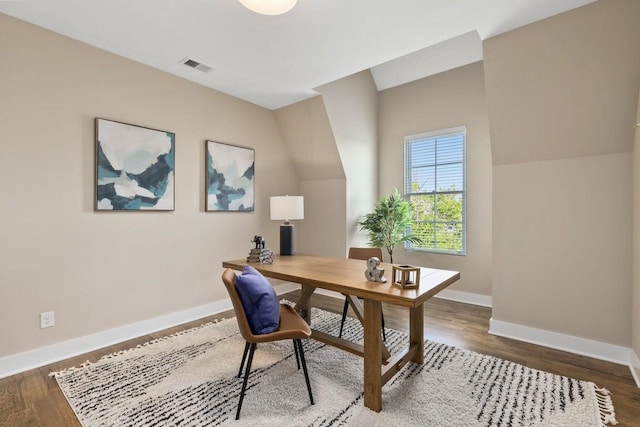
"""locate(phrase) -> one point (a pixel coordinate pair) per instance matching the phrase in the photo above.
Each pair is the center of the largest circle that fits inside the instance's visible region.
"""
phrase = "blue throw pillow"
(250, 270)
(259, 300)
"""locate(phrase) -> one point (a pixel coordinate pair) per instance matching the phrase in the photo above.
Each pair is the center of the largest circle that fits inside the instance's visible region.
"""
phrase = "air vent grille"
(196, 65)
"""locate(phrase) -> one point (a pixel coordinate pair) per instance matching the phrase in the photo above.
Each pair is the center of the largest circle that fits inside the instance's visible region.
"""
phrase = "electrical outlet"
(47, 319)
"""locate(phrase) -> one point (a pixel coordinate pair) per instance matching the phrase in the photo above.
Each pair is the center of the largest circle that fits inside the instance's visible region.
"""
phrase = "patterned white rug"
(189, 379)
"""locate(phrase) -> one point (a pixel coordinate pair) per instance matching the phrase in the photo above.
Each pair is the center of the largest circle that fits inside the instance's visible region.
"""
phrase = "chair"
(364, 254)
(291, 326)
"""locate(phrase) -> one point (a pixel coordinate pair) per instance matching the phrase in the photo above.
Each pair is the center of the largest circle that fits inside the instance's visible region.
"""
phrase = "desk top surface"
(347, 276)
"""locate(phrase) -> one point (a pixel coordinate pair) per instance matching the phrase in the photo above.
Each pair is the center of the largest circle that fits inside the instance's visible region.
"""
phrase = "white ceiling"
(274, 61)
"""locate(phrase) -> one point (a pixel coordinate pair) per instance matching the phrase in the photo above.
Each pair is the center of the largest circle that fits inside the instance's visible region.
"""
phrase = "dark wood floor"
(33, 399)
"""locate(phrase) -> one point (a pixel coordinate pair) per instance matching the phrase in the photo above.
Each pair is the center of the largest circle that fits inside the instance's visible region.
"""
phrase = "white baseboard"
(285, 287)
(328, 293)
(16, 363)
(634, 365)
(459, 296)
(20, 362)
(466, 297)
(569, 343)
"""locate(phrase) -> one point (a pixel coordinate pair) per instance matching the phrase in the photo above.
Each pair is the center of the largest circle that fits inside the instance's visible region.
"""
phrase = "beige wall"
(449, 99)
(565, 86)
(333, 142)
(352, 107)
(103, 270)
(562, 246)
(561, 94)
(309, 138)
(323, 230)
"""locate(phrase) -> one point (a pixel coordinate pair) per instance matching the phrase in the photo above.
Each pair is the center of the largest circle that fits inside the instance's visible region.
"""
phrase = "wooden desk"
(347, 277)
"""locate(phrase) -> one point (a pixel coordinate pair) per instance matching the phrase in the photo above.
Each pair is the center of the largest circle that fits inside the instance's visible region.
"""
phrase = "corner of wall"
(634, 366)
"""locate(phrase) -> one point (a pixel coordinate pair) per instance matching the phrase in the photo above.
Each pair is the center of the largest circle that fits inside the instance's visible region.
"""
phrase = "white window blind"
(435, 183)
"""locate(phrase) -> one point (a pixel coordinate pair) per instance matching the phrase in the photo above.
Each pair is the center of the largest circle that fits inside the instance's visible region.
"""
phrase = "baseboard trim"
(286, 287)
(465, 297)
(328, 293)
(595, 349)
(20, 362)
(569, 343)
(459, 296)
(634, 365)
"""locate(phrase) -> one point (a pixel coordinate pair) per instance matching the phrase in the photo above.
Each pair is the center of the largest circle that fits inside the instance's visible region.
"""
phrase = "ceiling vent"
(196, 65)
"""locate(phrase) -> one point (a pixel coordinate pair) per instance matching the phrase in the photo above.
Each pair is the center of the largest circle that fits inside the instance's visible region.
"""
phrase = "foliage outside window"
(435, 184)
(386, 226)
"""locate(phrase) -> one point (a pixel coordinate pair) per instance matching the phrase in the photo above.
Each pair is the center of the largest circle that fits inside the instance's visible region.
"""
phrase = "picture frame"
(135, 167)
(230, 177)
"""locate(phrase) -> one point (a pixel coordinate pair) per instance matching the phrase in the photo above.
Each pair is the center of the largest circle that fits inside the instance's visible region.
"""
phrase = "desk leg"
(416, 331)
(304, 304)
(372, 355)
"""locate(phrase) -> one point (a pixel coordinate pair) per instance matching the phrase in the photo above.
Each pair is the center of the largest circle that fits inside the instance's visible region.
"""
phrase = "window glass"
(435, 170)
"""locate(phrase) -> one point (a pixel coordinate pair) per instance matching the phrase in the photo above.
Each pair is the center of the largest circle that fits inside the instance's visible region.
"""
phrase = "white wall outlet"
(47, 319)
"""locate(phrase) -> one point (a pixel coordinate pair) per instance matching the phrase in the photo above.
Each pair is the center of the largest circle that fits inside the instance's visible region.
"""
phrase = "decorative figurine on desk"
(267, 256)
(259, 241)
(260, 253)
(373, 273)
(406, 276)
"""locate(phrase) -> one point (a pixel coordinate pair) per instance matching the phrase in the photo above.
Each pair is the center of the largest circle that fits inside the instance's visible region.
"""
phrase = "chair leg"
(304, 368)
(295, 349)
(244, 357)
(246, 378)
(344, 316)
(384, 334)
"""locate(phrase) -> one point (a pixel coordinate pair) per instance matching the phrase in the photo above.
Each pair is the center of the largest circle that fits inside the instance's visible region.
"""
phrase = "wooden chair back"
(365, 253)
(229, 279)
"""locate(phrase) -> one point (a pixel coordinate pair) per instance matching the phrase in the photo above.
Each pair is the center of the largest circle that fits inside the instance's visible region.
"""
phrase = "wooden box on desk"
(406, 276)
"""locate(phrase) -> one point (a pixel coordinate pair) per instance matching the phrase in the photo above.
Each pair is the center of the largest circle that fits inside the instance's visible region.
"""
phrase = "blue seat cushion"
(259, 300)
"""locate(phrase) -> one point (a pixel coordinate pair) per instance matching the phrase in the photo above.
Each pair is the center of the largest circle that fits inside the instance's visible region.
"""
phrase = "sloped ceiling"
(274, 61)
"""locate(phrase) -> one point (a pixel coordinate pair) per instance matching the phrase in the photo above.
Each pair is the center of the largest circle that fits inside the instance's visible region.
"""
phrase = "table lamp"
(287, 208)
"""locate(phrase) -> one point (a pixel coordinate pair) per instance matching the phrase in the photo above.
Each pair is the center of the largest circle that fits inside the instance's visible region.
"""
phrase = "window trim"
(407, 191)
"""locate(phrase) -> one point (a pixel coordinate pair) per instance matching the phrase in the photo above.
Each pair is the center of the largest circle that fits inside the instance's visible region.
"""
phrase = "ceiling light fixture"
(269, 7)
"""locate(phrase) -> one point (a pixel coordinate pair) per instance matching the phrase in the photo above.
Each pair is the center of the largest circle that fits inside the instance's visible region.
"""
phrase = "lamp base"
(286, 239)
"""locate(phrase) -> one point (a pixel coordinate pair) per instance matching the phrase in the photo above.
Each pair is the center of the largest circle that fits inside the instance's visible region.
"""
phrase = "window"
(434, 182)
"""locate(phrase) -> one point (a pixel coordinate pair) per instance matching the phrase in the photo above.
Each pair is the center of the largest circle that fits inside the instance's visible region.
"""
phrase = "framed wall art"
(134, 167)
(230, 178)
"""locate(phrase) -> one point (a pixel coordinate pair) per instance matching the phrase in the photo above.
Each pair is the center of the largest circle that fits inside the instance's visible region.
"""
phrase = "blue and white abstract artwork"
(135, 167)
(230, 177)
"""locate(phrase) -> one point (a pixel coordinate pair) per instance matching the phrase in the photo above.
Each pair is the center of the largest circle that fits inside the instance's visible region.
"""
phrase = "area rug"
(189, 379)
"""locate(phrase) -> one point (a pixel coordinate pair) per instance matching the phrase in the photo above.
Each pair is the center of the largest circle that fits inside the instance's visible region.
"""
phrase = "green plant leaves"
(389, 222)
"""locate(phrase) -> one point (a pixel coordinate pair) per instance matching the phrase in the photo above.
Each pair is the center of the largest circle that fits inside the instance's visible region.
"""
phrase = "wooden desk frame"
(347, 277)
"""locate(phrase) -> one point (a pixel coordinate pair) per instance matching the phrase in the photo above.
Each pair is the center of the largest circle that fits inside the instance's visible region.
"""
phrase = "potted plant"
(387, 224)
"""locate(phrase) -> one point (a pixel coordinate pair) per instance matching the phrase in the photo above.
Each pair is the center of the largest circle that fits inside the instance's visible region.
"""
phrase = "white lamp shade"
(269, 7)
(287, 207)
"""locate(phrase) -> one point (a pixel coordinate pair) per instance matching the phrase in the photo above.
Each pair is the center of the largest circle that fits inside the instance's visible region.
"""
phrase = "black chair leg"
(384, 334)
(246, 378)
(244, 357)
(344, 316)
(304, 368)
(295, 349)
